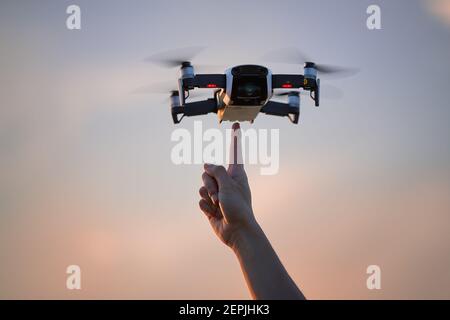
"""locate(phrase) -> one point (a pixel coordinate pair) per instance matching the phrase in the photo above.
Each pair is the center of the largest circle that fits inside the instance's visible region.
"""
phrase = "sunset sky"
(86, 176)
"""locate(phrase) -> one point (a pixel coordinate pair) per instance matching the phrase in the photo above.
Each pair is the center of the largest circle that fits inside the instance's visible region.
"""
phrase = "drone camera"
(249, 86)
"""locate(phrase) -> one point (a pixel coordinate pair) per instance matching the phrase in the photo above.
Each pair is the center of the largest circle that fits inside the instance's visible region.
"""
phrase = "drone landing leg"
(196, 108)
(282, 110)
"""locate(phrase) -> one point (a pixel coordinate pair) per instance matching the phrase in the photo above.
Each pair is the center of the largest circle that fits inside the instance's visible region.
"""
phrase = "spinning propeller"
(327, 92)
(182, 57)
(167, 87)
(295, 56)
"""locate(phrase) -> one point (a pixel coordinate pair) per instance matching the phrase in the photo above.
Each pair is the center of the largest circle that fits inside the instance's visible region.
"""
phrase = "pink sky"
(86, 177)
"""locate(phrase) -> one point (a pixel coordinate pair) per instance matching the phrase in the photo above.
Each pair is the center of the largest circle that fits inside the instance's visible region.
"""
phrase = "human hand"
(226, 197)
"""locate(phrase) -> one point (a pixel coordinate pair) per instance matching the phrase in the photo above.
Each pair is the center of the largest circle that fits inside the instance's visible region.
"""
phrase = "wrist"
(247, 237)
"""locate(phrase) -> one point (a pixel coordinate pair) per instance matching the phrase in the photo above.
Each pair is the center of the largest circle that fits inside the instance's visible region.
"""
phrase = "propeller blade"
(195, 94)
(166, 88)
(209, 68)
(156, 88)
(175, 57)
(326, 91)
(336, 70)
(289, 55)
(282, 94)
(295, 56)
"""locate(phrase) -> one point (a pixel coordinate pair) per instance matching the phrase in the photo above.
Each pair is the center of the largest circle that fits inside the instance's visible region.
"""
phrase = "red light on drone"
(286, 85)
(211, 85)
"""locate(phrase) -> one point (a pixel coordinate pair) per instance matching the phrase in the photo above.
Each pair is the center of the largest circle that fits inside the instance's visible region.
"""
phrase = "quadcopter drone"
(244, 91)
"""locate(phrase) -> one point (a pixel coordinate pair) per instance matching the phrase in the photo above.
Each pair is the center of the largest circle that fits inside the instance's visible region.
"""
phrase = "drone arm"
(287, 81)
(293, 81)
(282, 110)
(209, 81)
(196, 108)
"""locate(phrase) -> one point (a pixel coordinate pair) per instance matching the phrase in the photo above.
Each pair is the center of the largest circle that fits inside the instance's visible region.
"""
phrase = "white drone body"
(242, 92)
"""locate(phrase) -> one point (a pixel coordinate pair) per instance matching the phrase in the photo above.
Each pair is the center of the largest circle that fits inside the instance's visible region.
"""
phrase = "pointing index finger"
(236, 163)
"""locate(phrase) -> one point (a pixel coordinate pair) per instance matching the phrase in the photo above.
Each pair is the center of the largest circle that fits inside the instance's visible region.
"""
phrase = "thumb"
(219, 174)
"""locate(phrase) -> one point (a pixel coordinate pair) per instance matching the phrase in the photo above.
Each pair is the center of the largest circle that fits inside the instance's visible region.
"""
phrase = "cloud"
(439, 8)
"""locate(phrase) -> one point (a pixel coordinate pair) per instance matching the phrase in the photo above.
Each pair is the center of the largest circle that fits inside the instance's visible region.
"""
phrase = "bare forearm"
(264, 273)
